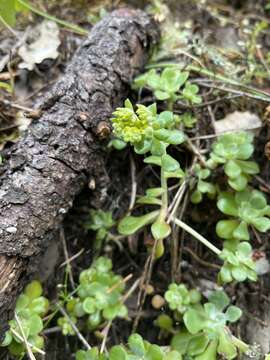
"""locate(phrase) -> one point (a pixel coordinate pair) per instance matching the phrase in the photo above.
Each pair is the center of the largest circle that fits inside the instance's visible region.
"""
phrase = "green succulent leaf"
(113, 311)
(261, 224)
(149, 200)
(190, 93)
(92, 354)
(169, 164)
(39, 305)
(188, 120)
(156, 160)
(233, 313)
(158, 148)
(194, 321)
(196, 197)
(33, 290)
(153, 79)
(130, 224)
(248, 167)
(232, 169)
(102, 264)
(35, 325)
(165, 120)
(174, 137)
(206, 187)
(226, 203)
(155, 192)
(220, 299)
(164, 322)
(89, 305)
(225, 228)
(118, 353)
(136, 345)
(239, 183)
(226, 347)
(174, 174)
(143, 146)
(172, 355)
(154, 352)
(180, 342)
(241, 232)
(161, 95)
(7, 339)
(197, 344)
(173, 79)
(160, 229)
(22, 302)
(210, 353)
(117, 144)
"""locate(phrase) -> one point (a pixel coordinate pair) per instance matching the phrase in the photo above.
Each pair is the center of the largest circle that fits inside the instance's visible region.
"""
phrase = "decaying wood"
(61, 150)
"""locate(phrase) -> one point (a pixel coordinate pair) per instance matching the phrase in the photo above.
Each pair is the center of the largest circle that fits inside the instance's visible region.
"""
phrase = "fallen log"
(61, 150)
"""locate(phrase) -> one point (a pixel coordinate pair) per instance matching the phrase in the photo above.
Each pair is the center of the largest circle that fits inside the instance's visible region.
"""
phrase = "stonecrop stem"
(199, 237)
(164, 207)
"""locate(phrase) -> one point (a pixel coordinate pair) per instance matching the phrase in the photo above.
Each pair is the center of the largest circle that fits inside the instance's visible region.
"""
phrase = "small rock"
(157, 302)
(11, 229)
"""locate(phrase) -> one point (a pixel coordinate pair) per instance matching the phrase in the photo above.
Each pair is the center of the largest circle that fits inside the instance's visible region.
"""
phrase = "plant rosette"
(99, 296)
(180, 299)
(238, 263)
(206, 334)
(30, 307)
(233, 150)
(101, 222)
(170, 85)
(249, 207)
(136, 349)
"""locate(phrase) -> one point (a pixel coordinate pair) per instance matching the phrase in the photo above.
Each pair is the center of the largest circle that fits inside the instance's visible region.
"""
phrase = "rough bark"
(61, 150)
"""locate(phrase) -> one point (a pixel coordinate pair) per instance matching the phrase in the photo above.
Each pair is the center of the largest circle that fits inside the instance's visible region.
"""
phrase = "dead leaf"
(238, 121)
(44, 44)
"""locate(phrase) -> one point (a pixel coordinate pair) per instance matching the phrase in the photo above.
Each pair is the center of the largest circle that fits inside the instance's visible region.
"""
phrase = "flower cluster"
(132, 126)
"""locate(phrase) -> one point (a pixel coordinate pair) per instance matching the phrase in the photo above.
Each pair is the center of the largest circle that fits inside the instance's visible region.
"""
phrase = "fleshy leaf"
(239, 183)
(232, 169)
(161, 95)
(262, 224)
(169, 163)
(194, 321)
(227, 204)
(156, 160)
(241, 232)
(233, 313)
(174, 137)
(181, 340)
(220, 299)
(225, 228)
(130, 224)
(210, 353)
(160, 229)
(136, 344)
(226, 346)
(33, 290)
